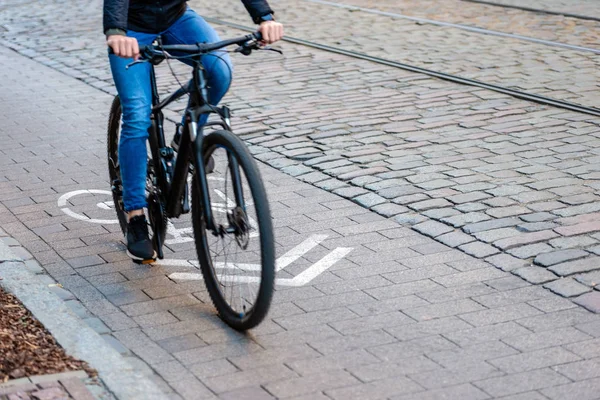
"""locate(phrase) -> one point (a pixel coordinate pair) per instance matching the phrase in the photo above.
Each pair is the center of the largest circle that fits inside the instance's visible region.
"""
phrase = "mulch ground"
(26, 348)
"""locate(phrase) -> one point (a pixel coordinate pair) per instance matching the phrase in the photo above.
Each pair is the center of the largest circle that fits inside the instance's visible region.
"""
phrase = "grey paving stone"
(430, 204)
(491, 224)
(62, 293)
(479, 249)
(538, 217)
(344, 343)
(410, 219)
(313, 383)
(472, 356)
(444, 378)
(115, 344)
(567, 287)
(377, 371)
(506, 262)
(331, 184)
(250, 393)
(501, 314)
(296, 170)
(530, 250)
(580, 370)
(552, 304)
(455, 238)
(97, 325)
(534, 360)
(468, 197)
(384, 388)
(524, 294)
(369, 200)
(557, 257)
(525, 239)
(454, 307)
(78, 309)
(398, 191)
(590, 301)
(575, 267)
(439, 213)
(536, 226)
(469, 337)
(469, 277)
(432, 228)
(595, 250)
(389, 209)
(464, 219)
(573, 242)
(370, 322)
(577, 390)
(496, 234)
(590, 279)
(521, 382)
(535, 275)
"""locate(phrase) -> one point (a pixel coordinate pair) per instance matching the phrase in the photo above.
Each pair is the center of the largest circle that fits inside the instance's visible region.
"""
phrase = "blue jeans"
(134, 88)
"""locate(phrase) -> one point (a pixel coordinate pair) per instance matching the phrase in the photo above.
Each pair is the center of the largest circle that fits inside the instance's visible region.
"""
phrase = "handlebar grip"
(257, 36)
(110, 50)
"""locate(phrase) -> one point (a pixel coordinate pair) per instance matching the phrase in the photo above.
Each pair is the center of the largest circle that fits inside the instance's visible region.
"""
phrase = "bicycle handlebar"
(202, 48)
(150, 51)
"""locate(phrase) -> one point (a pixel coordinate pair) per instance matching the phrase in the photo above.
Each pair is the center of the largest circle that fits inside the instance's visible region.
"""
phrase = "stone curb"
(74, 335)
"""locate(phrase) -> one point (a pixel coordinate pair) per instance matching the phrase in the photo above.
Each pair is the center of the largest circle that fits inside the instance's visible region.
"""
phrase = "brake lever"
(135, 62)
(268, 48)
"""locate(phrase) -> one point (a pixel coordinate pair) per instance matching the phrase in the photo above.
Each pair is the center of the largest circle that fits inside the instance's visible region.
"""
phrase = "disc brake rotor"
(239, 220)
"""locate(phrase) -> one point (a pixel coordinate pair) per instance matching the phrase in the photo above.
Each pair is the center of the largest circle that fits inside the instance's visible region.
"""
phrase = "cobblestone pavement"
(400, 317)
(580, 7)
(542, 26)
(545, 70)
(72, 385)
(502, 180)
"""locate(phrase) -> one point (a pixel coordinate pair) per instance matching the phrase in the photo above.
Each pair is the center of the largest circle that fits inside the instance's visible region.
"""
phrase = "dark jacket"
(154, 16)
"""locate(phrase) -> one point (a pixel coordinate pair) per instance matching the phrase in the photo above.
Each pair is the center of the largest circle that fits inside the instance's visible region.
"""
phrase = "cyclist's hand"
(271, 31)
(123, 46)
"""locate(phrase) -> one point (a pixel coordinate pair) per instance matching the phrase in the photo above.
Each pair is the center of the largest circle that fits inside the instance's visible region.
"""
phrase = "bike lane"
(390, 313)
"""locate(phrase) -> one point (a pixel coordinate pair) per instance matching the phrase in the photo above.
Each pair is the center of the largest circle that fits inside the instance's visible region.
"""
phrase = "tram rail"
(469, 28)
(536, 10)
(441, 75)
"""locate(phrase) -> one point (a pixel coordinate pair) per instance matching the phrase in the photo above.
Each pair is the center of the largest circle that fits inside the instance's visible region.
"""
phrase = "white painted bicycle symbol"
(183, 235)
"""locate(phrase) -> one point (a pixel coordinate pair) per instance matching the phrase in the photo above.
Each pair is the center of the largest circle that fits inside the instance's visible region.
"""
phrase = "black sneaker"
(139, 246)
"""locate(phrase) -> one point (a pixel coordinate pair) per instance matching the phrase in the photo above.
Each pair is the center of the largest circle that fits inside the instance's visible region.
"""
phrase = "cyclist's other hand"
(271, 31)
(123, 46)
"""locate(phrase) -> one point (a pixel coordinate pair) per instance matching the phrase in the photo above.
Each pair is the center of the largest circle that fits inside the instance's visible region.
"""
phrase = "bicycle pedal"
(145, 262)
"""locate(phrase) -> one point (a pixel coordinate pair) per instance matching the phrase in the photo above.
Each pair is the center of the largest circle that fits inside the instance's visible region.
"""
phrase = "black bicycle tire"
(112, 148)
(263, 217)
(112, 143)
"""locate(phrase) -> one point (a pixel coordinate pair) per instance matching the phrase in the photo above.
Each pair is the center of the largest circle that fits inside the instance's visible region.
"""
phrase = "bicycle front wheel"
(237, 256)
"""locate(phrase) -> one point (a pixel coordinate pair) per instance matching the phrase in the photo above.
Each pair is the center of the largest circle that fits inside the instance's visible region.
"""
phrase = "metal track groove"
(459, 26)
(448, 77)
(536, 10)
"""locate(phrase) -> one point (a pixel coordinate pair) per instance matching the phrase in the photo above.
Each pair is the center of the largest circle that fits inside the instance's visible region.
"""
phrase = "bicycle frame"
(192, 140)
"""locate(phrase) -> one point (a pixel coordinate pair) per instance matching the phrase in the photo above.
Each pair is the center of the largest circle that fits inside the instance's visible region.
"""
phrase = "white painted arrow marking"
(319, 267)
(298, 251)
(299, 280)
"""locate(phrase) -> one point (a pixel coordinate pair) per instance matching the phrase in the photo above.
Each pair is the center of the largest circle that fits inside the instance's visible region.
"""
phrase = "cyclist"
(129, 24)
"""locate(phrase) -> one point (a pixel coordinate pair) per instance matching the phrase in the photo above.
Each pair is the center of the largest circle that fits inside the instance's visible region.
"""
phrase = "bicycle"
(241, 291)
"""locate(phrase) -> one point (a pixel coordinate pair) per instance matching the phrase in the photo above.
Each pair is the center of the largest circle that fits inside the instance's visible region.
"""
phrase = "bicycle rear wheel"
(237, 257)
(157, 215)
(114, 168)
